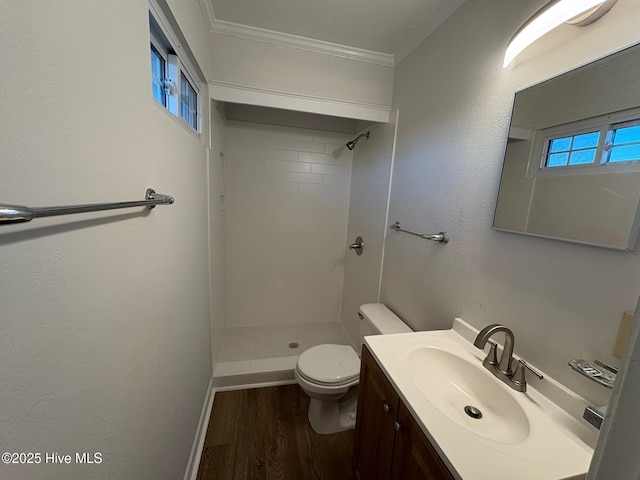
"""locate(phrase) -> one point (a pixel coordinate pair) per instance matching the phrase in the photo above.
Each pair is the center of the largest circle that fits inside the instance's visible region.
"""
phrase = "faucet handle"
(492, 356)
(530, 368)
(519, 375)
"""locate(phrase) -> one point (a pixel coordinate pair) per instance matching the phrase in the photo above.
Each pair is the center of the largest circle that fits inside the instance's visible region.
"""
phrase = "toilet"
(329, 373)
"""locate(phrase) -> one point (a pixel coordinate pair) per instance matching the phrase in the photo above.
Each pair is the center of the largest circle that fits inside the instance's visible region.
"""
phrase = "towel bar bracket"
(151, 194)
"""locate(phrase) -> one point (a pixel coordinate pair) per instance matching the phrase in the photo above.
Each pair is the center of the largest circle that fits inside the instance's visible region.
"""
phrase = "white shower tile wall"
(287, 202)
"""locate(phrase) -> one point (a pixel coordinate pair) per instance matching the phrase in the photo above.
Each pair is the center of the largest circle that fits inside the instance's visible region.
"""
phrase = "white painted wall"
(194, 27)
(370, 174)
(287, 200)
(104, 317)
(563, 301)
(217, 231)
(250, 71)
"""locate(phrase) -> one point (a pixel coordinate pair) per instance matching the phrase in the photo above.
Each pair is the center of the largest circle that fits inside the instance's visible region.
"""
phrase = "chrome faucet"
(502, 368)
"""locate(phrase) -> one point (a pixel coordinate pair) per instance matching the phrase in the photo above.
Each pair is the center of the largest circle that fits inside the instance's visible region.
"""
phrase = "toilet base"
(326, 417)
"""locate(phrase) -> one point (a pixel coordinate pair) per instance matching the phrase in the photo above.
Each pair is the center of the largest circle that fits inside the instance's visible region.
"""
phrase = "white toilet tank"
(377, 319)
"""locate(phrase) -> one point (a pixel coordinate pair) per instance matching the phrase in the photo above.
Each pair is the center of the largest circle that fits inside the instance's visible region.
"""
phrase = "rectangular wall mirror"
(572, 163)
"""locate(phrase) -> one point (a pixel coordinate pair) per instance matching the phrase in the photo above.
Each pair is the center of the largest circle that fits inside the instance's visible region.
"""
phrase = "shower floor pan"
(272, 349)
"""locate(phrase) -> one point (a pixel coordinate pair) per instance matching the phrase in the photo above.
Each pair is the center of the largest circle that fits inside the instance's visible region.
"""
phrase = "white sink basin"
(520, 436)
(451, 384)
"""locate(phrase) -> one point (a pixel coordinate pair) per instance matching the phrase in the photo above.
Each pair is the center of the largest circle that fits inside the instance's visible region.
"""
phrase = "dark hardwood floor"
(264, 434)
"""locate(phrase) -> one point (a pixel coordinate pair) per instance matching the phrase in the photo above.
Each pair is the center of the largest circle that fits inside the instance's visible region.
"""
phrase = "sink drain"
(294, 345)
(473, 412)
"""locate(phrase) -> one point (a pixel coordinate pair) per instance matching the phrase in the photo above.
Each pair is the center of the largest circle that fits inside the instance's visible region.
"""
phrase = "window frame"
(604, 124)
(177, 66)
(555, 135)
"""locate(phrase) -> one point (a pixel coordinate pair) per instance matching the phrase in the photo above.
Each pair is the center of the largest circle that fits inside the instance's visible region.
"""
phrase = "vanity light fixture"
(553, 14)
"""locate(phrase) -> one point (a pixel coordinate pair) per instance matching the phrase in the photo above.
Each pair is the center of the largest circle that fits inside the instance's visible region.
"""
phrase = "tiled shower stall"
(282, 196)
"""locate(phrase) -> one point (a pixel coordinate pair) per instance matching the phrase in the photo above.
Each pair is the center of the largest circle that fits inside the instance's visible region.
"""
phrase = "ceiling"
(393, 27)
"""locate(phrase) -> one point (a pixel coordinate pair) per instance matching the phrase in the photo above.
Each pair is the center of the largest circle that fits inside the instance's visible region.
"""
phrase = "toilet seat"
(329, 364)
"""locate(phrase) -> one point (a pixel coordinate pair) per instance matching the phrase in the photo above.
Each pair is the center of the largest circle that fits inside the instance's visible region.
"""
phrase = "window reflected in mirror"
(572, 163)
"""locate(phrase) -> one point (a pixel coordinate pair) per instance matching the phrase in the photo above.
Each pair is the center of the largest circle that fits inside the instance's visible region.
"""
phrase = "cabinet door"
(374, 435)
(414, 457)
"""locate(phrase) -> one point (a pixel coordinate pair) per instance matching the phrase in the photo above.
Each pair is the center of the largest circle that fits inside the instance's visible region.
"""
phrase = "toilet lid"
(329, 364)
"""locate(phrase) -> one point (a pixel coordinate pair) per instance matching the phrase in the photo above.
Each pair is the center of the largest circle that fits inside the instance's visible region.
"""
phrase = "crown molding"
(292, 41)
(208, 13)
(302, 43)
(247, 94)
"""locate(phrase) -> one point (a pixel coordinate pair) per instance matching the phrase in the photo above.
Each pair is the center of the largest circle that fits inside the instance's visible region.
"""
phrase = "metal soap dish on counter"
(602, 374)
(597, 371)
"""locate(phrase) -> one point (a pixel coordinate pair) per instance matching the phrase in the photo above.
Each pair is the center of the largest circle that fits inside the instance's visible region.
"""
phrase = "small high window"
(605, 140)
(172, 75)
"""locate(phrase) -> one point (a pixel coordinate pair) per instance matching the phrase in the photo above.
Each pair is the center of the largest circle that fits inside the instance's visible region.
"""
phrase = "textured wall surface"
(370, 174)
(104, 326)
(287, 201)
(563, 301)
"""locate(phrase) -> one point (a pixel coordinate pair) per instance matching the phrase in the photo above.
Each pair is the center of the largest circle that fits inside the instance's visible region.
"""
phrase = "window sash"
(158, 76)
(188, 102)
(623, 150)
(575, 153)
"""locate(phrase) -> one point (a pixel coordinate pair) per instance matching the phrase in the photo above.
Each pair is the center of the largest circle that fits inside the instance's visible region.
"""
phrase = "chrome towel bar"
(438, 237)
(20, 213)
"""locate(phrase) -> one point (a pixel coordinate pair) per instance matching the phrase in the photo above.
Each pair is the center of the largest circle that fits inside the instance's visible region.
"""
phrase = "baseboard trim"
(201, 432)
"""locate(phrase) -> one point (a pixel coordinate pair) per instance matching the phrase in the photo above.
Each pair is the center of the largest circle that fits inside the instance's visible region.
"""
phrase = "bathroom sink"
(479, 426)
(468, 395)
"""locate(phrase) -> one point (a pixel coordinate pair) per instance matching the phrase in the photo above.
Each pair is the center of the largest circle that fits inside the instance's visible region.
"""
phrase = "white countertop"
(553, 446)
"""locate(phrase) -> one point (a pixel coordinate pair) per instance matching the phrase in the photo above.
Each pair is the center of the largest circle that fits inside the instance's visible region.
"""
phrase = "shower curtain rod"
(20, 213)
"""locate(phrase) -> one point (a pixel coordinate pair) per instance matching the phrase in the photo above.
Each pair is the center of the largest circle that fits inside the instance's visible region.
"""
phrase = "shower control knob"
(358, 245)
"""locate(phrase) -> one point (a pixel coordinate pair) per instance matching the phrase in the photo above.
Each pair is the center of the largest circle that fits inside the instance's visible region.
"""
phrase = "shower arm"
(351, 145)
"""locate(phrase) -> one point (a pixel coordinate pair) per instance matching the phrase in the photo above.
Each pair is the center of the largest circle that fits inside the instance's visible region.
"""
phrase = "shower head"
(351, 145)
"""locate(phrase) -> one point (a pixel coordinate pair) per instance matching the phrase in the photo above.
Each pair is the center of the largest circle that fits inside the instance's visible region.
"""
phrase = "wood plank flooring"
(264, 434)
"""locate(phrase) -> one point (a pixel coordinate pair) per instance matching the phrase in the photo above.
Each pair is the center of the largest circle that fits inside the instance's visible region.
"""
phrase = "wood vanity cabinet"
(375, 434)
(389, 444)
